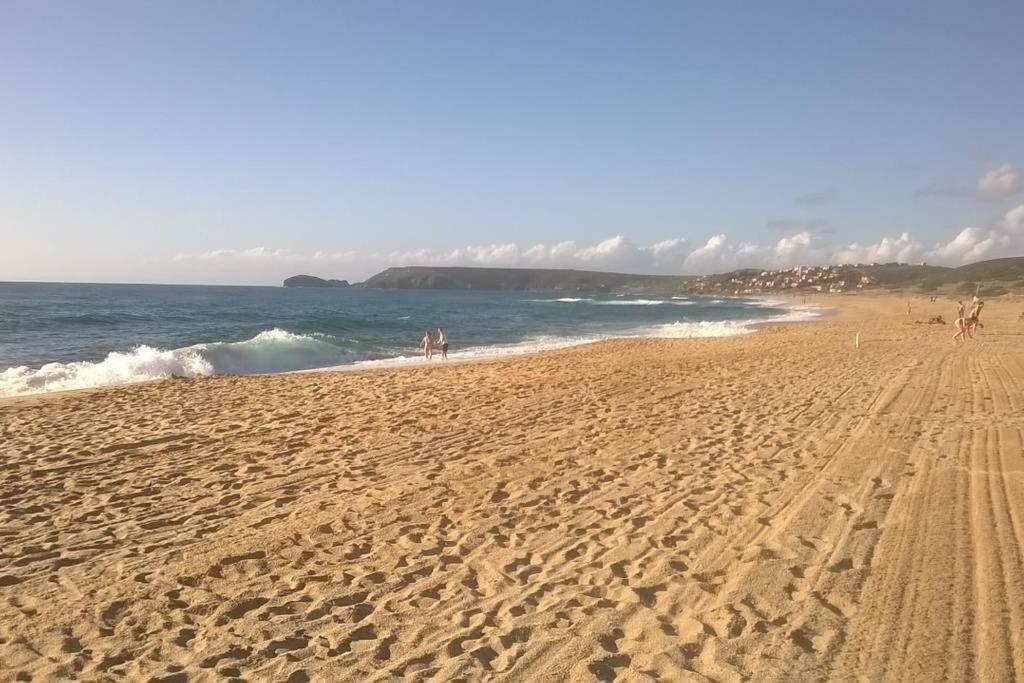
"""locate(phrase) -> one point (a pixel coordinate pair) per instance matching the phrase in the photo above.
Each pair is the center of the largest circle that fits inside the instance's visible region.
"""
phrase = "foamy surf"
(269, 351)
(697, 329)
(532, 345)
(277, 350)
(674, 301)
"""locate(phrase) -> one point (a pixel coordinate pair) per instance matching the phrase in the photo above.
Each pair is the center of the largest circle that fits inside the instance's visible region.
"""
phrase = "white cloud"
(970, 244)
(335, 256)
(798, 249)
(718, 251)
(886, 250)
(616, 248)
(253, 255)
(1000, 182)
(1005, 238)
(1013, 221)
(493, 255)
(614, 253)
(722, 253)
(542, 255)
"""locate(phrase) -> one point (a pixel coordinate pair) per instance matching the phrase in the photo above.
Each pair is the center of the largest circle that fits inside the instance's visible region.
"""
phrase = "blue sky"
(240, 142)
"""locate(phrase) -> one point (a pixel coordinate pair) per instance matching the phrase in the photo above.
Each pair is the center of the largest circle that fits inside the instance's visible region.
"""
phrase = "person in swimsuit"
(974, 319)
(442, 339)
(428, 345)
(966, 325)
(961, 326)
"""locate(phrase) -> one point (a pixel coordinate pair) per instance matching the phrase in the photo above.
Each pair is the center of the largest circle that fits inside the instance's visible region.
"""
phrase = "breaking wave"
(269, 351)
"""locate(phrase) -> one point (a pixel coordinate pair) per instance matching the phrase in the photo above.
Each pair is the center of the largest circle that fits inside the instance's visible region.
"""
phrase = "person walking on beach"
(442, 340)
(961, 326)
(967, 324)
(428, 345)
(974, 318)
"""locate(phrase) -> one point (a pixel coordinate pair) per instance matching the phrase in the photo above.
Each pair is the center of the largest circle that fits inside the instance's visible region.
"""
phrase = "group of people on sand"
(967, 321)
(429, 342)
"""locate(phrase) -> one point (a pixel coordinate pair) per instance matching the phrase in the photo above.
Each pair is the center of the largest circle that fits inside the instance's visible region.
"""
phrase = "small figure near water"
(427, 343)
(442, 340)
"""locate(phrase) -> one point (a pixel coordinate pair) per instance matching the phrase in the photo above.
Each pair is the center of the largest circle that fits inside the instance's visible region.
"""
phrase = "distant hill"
(989, 277)
(1000, 269)
(311, 281)
(519, 279)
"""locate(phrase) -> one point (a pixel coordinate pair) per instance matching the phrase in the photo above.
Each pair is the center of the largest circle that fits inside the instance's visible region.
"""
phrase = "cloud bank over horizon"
(678, 256)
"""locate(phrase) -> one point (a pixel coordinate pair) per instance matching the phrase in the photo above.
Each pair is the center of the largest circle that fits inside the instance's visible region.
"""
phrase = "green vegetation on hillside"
(989, 278)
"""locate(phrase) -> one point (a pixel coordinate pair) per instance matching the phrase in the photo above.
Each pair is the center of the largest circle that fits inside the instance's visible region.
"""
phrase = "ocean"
(68, 336)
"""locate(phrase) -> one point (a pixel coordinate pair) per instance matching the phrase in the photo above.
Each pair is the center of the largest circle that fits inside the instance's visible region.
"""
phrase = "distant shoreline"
(686, 331)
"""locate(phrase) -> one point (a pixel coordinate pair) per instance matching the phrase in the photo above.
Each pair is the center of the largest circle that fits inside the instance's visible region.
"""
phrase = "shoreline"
(770, 506)
(527, 348)
(686, 330)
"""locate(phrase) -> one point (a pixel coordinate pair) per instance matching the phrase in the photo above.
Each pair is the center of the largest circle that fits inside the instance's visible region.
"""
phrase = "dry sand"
(773, 506)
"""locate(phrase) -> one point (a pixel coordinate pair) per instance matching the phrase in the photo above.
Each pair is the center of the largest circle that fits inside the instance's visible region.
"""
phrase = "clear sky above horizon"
(241, 142)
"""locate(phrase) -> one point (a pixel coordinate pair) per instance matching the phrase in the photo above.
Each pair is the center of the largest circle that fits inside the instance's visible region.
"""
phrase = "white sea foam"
(631, 302)
(728, 328)
(700, 328)
(675, 301)
(793, 312)
(769, 303)
(269, 351)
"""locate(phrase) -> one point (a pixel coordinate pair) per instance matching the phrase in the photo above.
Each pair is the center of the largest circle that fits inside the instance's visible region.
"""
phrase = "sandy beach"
(773, 506)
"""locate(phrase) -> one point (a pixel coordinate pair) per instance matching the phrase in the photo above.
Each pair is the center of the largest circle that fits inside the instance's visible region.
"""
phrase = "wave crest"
(675, 301)
(703, 328)
(269, 351)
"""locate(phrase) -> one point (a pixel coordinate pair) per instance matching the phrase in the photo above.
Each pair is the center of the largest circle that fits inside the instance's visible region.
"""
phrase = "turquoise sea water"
(62, 336)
